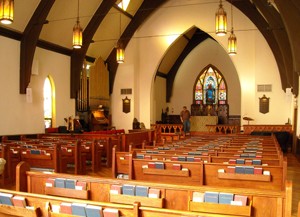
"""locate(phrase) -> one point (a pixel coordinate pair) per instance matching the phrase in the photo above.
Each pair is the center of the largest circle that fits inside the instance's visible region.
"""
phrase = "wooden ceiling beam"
(277, 27)
(259, 21)
(29, 41)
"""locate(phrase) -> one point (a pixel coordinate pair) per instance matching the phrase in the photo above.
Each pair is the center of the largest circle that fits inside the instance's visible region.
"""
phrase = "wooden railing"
(223, 128)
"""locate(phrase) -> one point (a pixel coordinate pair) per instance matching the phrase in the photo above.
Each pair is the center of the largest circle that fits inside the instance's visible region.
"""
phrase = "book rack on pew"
(247, 177)
(182, 173)
(66, 192)
(145, 201)
(19, 211)
(220, 208)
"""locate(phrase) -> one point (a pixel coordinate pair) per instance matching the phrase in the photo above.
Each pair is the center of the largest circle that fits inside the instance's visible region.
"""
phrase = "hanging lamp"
(120, 53)
(232, 41)
(119, 48)
(77, 33)
(6, 11)
(221, 21)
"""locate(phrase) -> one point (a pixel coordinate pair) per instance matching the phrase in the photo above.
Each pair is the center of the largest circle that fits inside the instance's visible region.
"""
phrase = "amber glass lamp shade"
(77, 35)
(6, 11)
(120, 54)
(232, 43)
(221, 21)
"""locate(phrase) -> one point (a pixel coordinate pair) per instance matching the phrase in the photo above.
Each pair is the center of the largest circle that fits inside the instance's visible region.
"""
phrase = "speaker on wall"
(35, 67)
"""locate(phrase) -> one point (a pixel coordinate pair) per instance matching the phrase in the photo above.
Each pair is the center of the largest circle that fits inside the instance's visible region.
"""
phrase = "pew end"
(21, 177)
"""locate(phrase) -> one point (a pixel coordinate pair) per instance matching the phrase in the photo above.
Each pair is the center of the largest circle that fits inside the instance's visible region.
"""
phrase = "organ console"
(98, 120)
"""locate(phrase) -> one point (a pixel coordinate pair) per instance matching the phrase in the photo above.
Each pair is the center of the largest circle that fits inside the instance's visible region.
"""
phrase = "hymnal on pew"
(19, 201)
(6, 199)
(110, 212)
(93, 211)
(78, 209)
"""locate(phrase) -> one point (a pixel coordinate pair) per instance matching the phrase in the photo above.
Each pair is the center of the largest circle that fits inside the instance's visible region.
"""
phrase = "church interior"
(92, 96)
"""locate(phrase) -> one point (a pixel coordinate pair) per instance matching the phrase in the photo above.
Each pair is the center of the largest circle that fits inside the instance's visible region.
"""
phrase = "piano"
(98, 120)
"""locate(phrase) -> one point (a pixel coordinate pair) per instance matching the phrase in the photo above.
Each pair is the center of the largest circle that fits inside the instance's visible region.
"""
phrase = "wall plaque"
(126, 105)
(264, 104)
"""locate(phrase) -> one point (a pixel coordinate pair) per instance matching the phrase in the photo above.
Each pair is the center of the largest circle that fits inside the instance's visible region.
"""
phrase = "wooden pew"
(179, 197)
(136, 139)
(12, 159)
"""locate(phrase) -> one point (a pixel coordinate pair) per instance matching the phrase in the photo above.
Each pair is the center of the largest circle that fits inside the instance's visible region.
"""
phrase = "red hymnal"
(116, 189)
(258, 170)
(109, 212)
(241, 198)
(151, 165)
(66, 208)
(154, 193)
(176, 166)
(80, 185)
(230, 169)
(50, 182)
(19, 201)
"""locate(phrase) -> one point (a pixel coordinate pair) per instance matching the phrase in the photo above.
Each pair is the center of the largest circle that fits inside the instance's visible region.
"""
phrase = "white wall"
(18, 116)
(254, 64)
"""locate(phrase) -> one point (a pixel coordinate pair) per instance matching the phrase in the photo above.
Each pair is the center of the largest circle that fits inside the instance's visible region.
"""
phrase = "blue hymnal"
(160, 165)
(6, 199)
(60, 182)
(249, 170)
(129, 190)
(240, 161)
(93, 211)
(256, 162)
(240, 169)
(35, 151)
(139, 156)
(78, 209)
(225, 198)
(190, 159)
(211, 197)
(181, 158)
(141, 191)
(70, 183)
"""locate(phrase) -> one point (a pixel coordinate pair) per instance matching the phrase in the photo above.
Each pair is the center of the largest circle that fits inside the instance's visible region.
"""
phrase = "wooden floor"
(293, 174)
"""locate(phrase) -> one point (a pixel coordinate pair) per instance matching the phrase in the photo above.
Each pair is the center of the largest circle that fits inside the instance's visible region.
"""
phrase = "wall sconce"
(6, 11)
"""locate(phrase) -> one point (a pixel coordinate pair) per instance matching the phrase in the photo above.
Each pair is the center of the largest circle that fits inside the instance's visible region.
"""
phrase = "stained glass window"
(210, 87)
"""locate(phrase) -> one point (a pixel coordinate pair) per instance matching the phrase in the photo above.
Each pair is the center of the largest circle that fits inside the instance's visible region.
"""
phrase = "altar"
(198, 123)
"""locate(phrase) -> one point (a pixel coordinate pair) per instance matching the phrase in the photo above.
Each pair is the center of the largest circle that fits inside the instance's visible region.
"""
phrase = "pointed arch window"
(49, 103)
(210, 87)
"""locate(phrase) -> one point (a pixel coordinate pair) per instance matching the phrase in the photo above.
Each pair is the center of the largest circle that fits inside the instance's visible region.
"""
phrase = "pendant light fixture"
(232, 41)
(221, 21)
(119, 48)
(6, 11)
(77, 32)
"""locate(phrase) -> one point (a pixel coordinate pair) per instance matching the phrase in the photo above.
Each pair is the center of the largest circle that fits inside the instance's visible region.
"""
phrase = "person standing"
(185, 119)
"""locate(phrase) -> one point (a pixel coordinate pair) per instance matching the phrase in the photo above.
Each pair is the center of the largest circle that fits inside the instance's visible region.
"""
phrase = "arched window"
(210, 87)
(49, 103)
